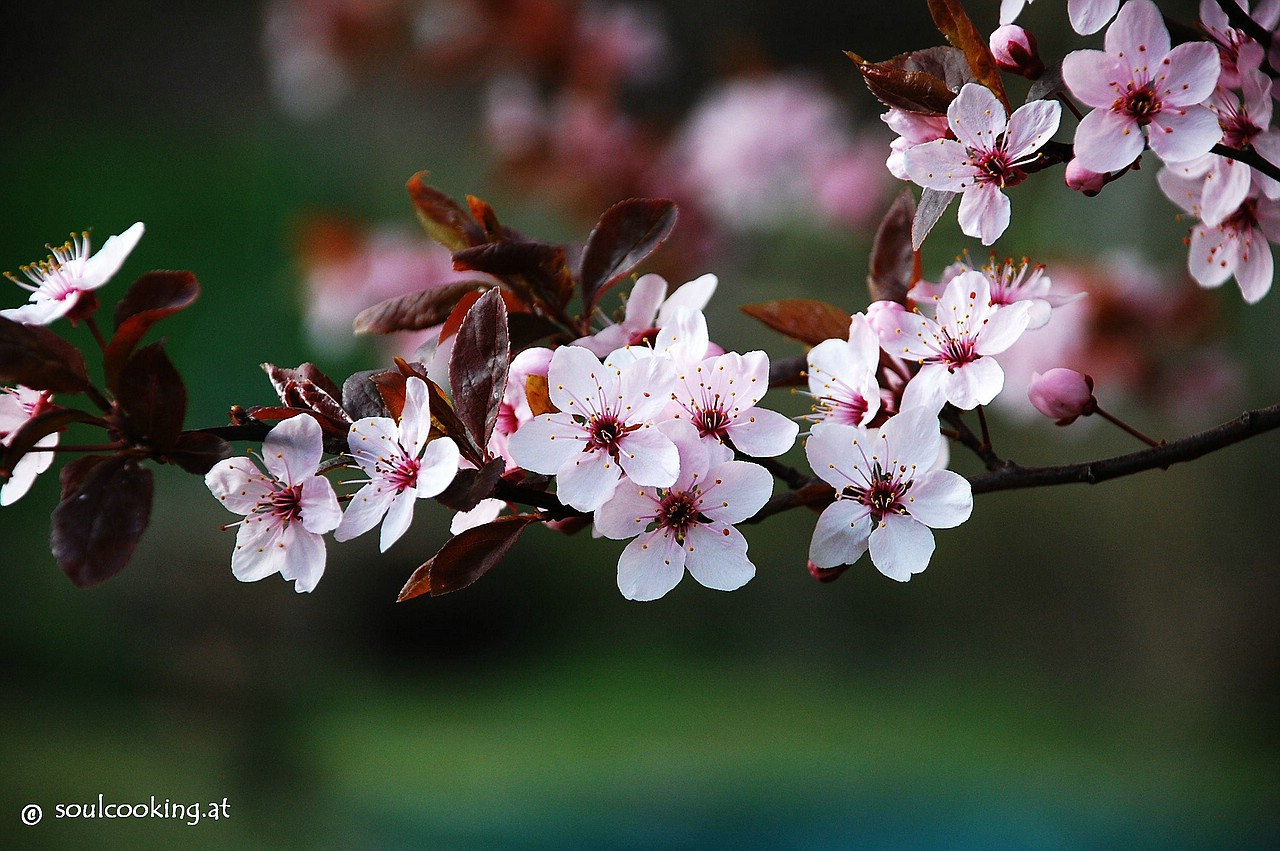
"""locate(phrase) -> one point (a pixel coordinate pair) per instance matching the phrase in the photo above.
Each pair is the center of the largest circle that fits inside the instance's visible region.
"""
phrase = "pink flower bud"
(1015, 51)
(1083, 180)
(827, 574)
(1062, 394)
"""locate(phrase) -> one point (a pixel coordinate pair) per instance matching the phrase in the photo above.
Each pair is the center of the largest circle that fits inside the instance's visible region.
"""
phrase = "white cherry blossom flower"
(402, 466)
(1087, 16)
(693, 522)
(1139, 82)
(57, 283)
(17, 405)
(988, 156)
(604, 427)
(649, 309)
(842, 376)
(718, 397)
(287, 510)
(1011, 281)
(954, 349)
(888, 493)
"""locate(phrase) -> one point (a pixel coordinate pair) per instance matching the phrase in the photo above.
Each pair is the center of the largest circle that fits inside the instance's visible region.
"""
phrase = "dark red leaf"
(900, 88)
(626, 234)
(807, 320)
(944, 62)
(20, 441)
(310, 389)
(472, 485)
(96, 527)
(416, 311)
(893, 260)
(933, 203)
(151, 298)
(954, 23)
(484, 213)
(153, 398)
(75, 471)
(35, 357)
(307, 372)
(197, 452)
(391, 386)
(443, 218)
(466, 557)
(444, 419)
(360, 396)
(539, 268)
(478, 366)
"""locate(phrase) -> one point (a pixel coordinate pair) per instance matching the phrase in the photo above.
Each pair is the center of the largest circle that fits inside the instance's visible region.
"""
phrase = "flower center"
(678, 511)
(1238, 130)
(955, 352)
(404, 475)
(1140, 104)
(994, 166)
(844, 411)
(285, 504)
(606, 432)
(883, 495)
(711, 422)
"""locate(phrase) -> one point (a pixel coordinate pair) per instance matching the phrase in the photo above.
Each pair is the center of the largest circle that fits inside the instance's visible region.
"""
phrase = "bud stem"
(1125, 426)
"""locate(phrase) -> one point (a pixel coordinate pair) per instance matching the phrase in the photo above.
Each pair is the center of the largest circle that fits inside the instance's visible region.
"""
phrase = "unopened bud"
(1062, 395)
(1083, 180)
(1015, 51)
(827, 574)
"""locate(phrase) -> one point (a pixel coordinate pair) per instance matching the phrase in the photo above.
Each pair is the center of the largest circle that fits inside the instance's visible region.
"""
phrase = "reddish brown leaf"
(478, 367)
(310, 389)
(466, 557)
(893, 260)
(96, 527)
(153, 399)
(416, 311)
(391, 386)
(151, 298)
(933, 203)
(901, 88)
(443, 218)
(35, 357)
(444, 419)
(626, 234)
(197, 452)
(488, 219)
(361, 398)
(954, 23)
(472, 485)
(538, 268)
(807, 320)
(75, 471)
(307, 372)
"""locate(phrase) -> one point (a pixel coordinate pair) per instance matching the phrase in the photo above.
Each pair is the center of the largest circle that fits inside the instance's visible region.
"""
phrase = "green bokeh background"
(1079, 667)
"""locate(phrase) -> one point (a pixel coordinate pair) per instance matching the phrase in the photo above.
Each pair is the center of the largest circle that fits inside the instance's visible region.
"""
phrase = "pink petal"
(1009, 10)
(238, 483)
(976, 117)
(1254, 269)
(258, 552)
(903, 333)
(1108, 141)
(365, 509)
(1225, 188)
(927, 388)
(319, 505)
(1188, 75)
(577, 381)
(829, 449)
(694, 296)
(547, 442)
(840, 535)
(716, 556)
(1184, 133)
(901, 546)
(438, 467)
(304, 558)
(415, 419)
(643, 303)
(984, 212)
(1095, 78)
(940, 499)
(399, 517)
(1004, 326)
(1030, 126)
(42, 311)
(735, 490)
(1184, 192)
(588, 480)
(628, 511)
(1089, 16)
(941, 164)
(910, 439)
(975, 383)
(1212, 258)
(762, 433)
(292, 449)
(372, 438)
(649, 457)
(644, 388)
(964, 302)
(1138, 36)
(650, 566)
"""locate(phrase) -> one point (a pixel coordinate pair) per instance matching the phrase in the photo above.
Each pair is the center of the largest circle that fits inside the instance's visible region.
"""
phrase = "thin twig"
(1249, 157)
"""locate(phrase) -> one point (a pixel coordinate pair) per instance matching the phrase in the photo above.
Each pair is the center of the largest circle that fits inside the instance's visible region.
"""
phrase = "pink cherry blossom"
(718, 397)
(17, 406)
(842, 376)
(1236, 247)
(987, 157)
(1138, 82)
(649, 309)
(402, 466)
(1062, 395)
(1015, 51)
(693, 522)
(1239, 52)
(56, 284)
(1082, 180)
(287, 510)
(912, 129)
(604, 427)
(1087, 16)
(955, 349)
(888, 493)
(1011, 281)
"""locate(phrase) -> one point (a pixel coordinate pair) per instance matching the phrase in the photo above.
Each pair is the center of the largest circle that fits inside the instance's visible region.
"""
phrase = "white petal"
(1188, 74)
(238, 483)
(716, 556)
(439, 466)
(292, 449)
(694, 295)
(1030, 126)
(486, 511)
(1003, 327)
(258, 552)
(735, 490)
(840, 536)
(913, 440)
(415, 419)
(1089, 16)
(644, 389)
(99, 268)
(832, 450)
(976, 117)
(650, 566)
(975, 383)
(547, 442)
(984, 212)
(901, 546)
(399, 516)
(942, 164)
(304, 558)
(940, 499)
(762, 433)
(365, 509)
(649, 457)
(1213, 256)
(319, 505)
(1255, 267)
(628, 512)
(589, 478)
(927, 388)
(577, 381)
(643, 303)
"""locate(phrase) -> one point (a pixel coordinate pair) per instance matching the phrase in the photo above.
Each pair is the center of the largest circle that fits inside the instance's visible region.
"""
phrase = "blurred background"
(1078, 668)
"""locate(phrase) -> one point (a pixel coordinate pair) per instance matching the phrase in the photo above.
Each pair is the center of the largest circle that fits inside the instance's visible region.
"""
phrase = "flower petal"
(912, 440)
(628, 512)
(365, 509)
(716, 556)
(415, 419)
(588, 479)
(319, 505)
(829, 448)
(940, 499)
(238, 483)
(1187, 76)
(399, 517)
(292, 449)
(547, 442)
(1213, 256)
(258, 552)
(1254, 269)
(762, 433)
(1108, 141)
(438, 467)
(1183, 134)
(840, 535)
(973, 384)
(649, 457)
(1138, 37)
(1030, 126)
(976, 117)
(1089, 16)
(941, 164)
(1004, 326)
(901, 546)
(304, 557)
(1095, 78)
(735, 490)
(984, 212)
(693, 295)
(650, 566)
(99, 268)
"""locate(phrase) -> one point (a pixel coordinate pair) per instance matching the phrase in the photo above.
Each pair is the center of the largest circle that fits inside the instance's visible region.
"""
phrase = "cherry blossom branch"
(817, 494)
(965, 437)
(1249, 157)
